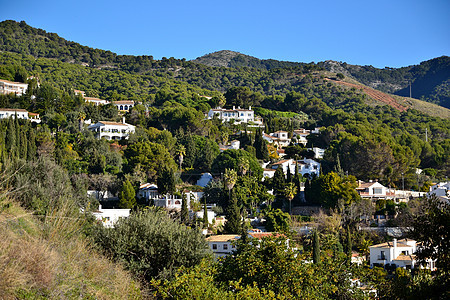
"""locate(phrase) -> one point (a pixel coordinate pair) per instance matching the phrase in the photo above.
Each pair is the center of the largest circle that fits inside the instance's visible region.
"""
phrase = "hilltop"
(106, 74)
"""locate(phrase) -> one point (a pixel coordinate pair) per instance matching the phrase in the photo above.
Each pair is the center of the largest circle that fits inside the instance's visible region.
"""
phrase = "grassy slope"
(50, 259)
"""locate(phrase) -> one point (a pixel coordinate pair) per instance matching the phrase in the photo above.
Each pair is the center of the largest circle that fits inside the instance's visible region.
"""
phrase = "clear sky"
(381, 33)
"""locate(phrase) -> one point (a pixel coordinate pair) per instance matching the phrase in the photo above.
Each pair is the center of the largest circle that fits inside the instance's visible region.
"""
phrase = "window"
(225, 246)
(214, 246)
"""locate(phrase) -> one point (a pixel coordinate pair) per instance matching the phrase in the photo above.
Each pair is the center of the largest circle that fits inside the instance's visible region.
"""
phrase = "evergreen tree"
(316, 247)
(205, 215)
(191, 152)
(278, 181)
(31, 153)
(166, 181)
(127, 196)
(11, 138)
(23, 149)
(233, 224)
(261, 147)
(349, 246)
(184, 209)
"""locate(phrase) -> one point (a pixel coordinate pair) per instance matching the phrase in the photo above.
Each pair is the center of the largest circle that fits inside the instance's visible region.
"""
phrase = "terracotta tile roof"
(405, 257)
(222, 238)
(260, 235)
(390, 245)
(112, 123)
(12, 82)
(13, 109)
(124, 102)
(281, 162)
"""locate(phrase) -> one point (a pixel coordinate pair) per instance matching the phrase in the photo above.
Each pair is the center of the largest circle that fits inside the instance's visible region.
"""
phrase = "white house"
(149, 192)
(373, 190)
(280, 138)
(239, 115)
(399, 253)
(318, 152)
(305, 166)
(441, 190)
(11, 87)
(268, 173)
(124, 105)
(109, 217)
(222, 245)
(308, 166)
(112, 130)
(286, 165)
(96, 101)
(20, 113)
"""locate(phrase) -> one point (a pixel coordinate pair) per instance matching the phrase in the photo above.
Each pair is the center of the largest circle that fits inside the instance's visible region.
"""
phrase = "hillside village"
(241, 190)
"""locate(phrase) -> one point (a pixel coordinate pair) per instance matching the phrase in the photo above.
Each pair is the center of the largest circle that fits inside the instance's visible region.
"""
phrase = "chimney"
(234, 107)
(395, 243)
(123, 120)
(249, 108)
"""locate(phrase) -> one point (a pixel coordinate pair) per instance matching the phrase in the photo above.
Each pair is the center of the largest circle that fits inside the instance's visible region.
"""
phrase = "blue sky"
(381, 33)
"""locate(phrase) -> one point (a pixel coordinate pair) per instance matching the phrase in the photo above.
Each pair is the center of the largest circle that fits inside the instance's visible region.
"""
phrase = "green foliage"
(277, 221)
(127, 196)
(316, 247)
(233, 223)
(151, 245)
(229, 159)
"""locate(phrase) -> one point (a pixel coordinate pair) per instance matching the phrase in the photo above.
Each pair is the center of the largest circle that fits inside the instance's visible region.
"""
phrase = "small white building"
(11, 87)
(399, 253)
(112, 130)
(373, 190)
(109, 217)
(124, 105)
(441, 190)
(305, 166)
(280, 138)
(268, 173)
(318, 152)
(286, 165)
(239, 115)
(96, 101)
(222, 245)
(5, 113)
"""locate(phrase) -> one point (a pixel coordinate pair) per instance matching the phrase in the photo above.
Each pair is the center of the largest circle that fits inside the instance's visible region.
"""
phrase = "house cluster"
(398, 254)
(281, 139)
(238, 115)
(122, 105)
(5, 113)
(11, 87)
(306, 167)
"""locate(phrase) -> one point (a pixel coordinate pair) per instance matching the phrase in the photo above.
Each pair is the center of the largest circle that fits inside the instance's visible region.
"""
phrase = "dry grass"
(50, 259)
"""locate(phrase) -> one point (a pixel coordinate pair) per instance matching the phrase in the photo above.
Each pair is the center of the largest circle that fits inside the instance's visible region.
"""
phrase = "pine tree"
(166, 181)
(233, 224)
(184, 209)
(316, 247)
(127, 196)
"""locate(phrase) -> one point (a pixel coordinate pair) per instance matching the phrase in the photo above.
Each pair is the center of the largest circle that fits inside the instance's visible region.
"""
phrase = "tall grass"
(44, 253)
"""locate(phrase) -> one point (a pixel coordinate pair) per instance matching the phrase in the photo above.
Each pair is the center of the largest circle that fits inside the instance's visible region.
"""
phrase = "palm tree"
(244, 165)
(290, 191)
(230, 177)
(180, 151)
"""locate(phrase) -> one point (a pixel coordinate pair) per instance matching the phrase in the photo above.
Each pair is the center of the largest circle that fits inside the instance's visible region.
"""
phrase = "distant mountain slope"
(232, 59)
(430, 80)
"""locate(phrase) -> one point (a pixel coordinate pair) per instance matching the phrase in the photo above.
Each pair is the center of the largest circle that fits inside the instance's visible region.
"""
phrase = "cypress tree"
(260, 146)
(205, 215)
(23, 149)
(11, 138)
(184, 209)
(349, 246)
(278, 181)
(233, 224)
(31, 153)
(316, 247)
